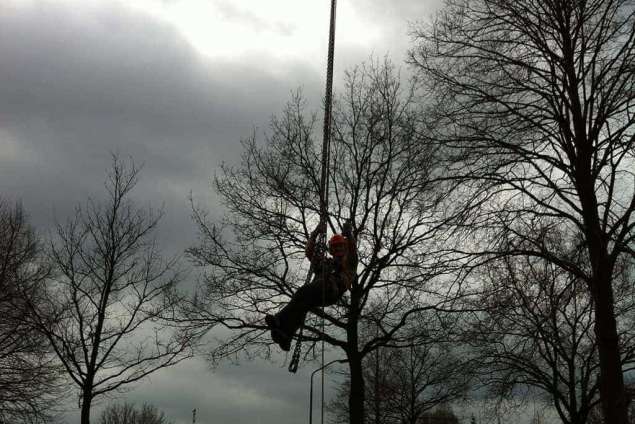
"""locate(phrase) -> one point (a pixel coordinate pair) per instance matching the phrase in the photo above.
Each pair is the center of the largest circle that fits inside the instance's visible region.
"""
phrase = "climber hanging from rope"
(332, 276)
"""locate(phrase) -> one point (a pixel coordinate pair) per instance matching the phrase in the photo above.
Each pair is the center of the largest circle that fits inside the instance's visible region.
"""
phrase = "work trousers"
(307, 297)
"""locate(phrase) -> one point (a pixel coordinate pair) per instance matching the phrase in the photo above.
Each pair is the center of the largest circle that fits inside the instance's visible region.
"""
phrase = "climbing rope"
(324, 190)
(297, 350)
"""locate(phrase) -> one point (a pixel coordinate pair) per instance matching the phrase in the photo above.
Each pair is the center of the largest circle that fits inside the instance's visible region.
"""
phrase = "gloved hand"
(347, 228)
(321, 227)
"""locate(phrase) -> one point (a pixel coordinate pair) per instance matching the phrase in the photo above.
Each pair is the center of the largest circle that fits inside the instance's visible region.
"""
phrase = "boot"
(277, 335)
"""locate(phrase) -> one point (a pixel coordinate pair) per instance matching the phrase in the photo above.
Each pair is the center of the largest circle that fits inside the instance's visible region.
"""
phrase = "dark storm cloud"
(78, 84)
(74, 86)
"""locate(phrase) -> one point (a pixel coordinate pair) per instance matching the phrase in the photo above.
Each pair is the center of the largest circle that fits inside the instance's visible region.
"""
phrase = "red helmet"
(336, 241)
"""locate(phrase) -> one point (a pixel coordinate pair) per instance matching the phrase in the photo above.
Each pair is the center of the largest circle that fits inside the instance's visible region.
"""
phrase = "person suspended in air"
(332, 276)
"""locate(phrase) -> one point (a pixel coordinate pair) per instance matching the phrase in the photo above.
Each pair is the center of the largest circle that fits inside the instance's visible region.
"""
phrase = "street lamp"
(341, 361)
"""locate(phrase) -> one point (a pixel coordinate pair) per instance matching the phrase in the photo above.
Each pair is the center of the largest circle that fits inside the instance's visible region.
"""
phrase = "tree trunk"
(85, 411)
(356, 397)
(612, 392)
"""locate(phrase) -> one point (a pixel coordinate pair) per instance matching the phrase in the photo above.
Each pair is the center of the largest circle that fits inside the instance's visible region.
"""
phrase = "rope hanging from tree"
(324, 185)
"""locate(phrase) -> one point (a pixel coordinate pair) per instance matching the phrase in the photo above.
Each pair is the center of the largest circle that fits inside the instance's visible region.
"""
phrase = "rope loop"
(295, 357)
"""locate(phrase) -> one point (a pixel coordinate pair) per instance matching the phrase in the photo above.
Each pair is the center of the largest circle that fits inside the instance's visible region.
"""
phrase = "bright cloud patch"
(284, 29)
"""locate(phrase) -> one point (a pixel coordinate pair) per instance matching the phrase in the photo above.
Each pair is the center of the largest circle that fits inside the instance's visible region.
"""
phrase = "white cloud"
(281, 29)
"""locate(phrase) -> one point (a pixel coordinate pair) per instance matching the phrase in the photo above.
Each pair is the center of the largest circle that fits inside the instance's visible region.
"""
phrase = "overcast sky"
(175, 84)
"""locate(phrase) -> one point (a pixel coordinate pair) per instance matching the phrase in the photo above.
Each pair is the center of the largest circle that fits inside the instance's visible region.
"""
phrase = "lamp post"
(341, 361)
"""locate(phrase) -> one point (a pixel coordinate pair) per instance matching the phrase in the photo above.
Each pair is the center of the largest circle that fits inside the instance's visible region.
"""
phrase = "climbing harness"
(324, 184)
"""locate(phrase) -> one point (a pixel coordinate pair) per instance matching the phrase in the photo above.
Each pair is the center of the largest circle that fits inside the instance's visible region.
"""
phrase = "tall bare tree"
(536, 335)
(29, 378)
(110, 290)
(533, 103)
(254, 256)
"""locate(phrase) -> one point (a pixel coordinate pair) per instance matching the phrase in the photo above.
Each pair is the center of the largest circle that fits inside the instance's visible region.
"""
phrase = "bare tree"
(118, 413)
(533, 104)
(109, 293)
(127, 413)
(149, 414)
(536, 334)
(422, 379)
(254, 256)
(406, 385)
(29, 378)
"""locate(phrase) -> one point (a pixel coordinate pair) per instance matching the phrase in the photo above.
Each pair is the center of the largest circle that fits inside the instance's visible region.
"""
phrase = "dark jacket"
(340, 273)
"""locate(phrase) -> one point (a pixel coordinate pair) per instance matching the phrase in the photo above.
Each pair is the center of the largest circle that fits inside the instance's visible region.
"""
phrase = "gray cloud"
(396, 19)
(75, 86)
(252, 393)
(231, 11)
